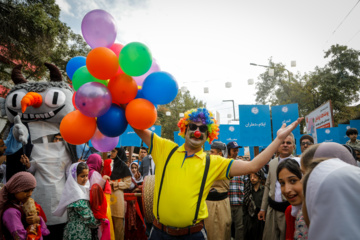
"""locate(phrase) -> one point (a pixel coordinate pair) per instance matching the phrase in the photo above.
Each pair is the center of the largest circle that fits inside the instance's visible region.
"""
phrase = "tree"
(338, 81)
(180, 104)
(31, 34)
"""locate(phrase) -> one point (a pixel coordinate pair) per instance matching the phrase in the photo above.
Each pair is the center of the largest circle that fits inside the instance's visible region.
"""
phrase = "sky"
(207, 43)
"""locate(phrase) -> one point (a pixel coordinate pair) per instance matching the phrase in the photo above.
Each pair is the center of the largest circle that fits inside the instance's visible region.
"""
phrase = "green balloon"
(135, 59)
(82, 76)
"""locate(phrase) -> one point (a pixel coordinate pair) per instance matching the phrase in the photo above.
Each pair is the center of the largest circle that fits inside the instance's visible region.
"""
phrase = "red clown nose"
(197, 134)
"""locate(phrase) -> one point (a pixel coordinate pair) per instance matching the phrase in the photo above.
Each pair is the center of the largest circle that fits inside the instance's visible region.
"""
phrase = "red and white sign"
(322, 117)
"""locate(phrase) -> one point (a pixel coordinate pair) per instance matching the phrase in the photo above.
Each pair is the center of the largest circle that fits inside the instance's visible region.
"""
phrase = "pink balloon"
(103, 143)
(154, 68)
(116, 48)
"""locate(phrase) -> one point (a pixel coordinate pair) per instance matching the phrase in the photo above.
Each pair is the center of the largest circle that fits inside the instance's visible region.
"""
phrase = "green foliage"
(338, 81)
(32, 33)
(182, 103)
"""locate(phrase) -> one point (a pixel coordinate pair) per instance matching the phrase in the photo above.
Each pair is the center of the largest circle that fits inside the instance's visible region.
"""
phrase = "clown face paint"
(194, 138)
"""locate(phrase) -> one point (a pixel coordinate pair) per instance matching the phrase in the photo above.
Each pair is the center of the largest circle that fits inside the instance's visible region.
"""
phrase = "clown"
(36, 110)
(184, 175)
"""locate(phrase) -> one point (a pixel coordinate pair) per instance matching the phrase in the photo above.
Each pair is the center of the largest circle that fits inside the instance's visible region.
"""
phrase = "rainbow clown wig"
(200, 115)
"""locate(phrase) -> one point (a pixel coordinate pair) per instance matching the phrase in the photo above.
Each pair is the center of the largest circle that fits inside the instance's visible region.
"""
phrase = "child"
(75, 199)
(13, 195)
(289, 176)
(254, 191)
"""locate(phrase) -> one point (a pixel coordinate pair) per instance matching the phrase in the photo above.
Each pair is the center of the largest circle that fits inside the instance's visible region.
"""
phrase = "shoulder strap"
(207, 165)
(162, 179)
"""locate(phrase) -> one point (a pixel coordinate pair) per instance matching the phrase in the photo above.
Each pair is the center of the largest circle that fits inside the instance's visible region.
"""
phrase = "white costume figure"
(41, 106)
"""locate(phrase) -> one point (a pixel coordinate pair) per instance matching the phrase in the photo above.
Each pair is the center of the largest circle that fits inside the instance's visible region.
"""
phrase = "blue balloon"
(139, 94)
(74, 64)
(113, 123)
(160, 88)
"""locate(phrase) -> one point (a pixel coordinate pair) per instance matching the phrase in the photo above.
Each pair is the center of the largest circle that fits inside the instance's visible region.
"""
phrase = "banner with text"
(255, 126)
(285, 114)
(322, 117)
(229, 133)
(328, 135)
(130, 138)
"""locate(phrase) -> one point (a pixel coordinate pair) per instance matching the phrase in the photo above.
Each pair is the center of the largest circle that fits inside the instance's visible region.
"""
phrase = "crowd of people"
(196, 195)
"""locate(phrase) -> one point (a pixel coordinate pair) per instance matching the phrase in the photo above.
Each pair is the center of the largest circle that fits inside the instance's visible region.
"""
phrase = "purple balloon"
(154, 68)
(98, 29)
(103, 143)
(93, 99)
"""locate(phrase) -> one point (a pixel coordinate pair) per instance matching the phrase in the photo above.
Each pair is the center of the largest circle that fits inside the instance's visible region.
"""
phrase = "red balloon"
(73, 100)
(76, 128)
(123, 88)
(102, 63)
(140, 113)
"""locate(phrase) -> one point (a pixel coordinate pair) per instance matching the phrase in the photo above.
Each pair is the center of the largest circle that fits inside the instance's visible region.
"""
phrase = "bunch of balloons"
(115, 85)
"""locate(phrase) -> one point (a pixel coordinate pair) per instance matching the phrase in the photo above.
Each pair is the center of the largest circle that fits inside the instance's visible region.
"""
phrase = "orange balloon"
(123, 88)
(76, 128)
(102, 63)
(140, 113)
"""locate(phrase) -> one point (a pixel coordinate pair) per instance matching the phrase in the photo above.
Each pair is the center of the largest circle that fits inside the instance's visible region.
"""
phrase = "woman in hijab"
(94, 162)
(120, 179)
(331, 192)
(326, 150)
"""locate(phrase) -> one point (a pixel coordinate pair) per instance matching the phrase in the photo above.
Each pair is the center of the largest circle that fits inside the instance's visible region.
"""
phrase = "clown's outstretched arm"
(145, 135)
(244, 167)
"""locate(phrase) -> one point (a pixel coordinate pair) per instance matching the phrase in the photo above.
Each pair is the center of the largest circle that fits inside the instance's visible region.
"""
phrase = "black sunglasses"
(202, 128)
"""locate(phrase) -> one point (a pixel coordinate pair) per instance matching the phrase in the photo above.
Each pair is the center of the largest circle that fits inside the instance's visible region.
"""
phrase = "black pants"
(56, 232)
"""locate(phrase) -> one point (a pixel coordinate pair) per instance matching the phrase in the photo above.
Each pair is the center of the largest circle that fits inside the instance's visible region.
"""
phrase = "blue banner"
(285, 114)
(355, 124)
(255, 126)
(229, 133)
(342, 133)
(130, 138)
(178, 139)
(327, 135)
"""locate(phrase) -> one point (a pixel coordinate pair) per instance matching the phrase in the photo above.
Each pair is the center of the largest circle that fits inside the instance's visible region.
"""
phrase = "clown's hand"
(2, 107)
(20, 131)
(284, 131)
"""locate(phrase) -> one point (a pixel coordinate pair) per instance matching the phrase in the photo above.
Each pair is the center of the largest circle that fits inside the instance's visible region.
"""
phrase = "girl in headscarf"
(331, 199)
(13, 195)
(289, 176)
(134, 168)
(75, 199)
(134, 220)
(94, 162)
(120, 179)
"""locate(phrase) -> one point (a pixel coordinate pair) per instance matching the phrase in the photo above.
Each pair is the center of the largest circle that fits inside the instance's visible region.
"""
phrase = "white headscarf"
(141, 177)
(72, 191)
(332, 200)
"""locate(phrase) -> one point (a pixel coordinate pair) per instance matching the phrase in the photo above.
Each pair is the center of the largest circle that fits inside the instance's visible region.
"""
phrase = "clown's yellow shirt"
(182, 181)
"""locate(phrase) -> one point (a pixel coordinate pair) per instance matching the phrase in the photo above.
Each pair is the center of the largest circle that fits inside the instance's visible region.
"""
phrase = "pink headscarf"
(94, 162)
(19, 182)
